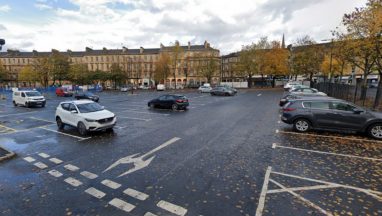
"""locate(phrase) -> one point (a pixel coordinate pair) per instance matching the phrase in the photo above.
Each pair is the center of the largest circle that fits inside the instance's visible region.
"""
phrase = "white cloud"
(226, 24)
(42, 6)
(5, 8)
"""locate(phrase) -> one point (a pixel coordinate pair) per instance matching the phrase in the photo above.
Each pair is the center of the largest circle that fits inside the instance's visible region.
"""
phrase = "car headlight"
(90, 120)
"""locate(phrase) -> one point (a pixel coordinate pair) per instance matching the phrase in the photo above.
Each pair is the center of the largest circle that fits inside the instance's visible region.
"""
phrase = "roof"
(78, 101)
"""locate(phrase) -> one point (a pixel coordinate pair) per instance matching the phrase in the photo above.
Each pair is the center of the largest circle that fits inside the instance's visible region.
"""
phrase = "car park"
(204, 89)
(331, 114)
(161, 87)
(222, 91)
(28, 98)
(63, 92)
(85, 115)
(170, 101)
(87, 96)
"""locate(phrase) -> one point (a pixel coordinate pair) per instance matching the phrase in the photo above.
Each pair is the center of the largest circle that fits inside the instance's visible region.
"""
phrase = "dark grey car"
(332, 114)
(223, 91)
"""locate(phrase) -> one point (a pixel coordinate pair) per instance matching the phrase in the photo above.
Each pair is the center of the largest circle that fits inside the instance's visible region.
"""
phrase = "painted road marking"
(136, 194)
(56, 160)
(139, 119)
(29, 159)
(94, 192)
(260, 206)
(43, 155)
(17, 114)
(89, 175)
(111, 184)
(175, 209)
(7, 129)
(80, 138)
(327, 153)
(334, 137)
(55, 173)
(258, 95)
(315, 187)
(120, 204)
(71, 167)
(149, 113)
(149, 214)
(40, 165)
(72, 181)
(52, 122)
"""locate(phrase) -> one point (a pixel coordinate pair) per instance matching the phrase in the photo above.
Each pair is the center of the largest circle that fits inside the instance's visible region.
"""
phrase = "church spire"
(283, 42)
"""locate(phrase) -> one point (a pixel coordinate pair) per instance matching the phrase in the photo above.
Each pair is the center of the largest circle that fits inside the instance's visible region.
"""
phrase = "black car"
(173, 102)
(331, 114)
(223, 91)
(86, 95)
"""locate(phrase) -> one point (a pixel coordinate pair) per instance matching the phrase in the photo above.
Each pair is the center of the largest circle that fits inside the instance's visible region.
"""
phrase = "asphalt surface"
(223, 156)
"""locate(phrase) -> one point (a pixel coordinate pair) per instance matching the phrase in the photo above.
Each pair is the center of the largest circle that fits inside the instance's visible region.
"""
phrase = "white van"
(28, 98)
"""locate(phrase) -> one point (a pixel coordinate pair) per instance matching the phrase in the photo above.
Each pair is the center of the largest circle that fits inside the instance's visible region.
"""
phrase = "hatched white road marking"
(56, 160)
(40, 165)
(72, 181)
(111, 184)
(43, 155)
(71, 167)
(260, 206)
(29, 159)
(136, 194)
(89, 175)
(94, 192)
(124, 206)
(175, 209)
(55, 173)
(149, 214)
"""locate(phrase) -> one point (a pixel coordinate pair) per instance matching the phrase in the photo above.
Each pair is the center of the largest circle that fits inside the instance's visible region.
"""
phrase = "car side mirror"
(357, 111)
(74, 111)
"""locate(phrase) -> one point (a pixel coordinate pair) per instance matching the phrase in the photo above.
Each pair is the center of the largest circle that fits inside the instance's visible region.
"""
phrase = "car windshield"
(89, 107)
(32, 94)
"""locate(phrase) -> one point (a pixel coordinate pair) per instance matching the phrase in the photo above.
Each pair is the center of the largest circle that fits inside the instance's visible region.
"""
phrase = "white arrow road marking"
(178, 210)
(139, 162)
(124, 206)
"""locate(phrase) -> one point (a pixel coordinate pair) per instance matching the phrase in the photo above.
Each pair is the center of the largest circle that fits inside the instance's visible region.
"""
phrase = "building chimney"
(141, 50)
(189, 45)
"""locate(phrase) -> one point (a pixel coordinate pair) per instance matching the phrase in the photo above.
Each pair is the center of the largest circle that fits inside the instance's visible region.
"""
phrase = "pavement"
(223, 156)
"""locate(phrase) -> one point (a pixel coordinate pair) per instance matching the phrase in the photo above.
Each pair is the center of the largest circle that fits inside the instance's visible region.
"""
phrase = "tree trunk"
(310, 79)
(364, 86)
(249, 81)
(378, 96)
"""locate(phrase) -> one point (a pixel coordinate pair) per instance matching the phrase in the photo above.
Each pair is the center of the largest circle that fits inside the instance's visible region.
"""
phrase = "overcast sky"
(226, 24)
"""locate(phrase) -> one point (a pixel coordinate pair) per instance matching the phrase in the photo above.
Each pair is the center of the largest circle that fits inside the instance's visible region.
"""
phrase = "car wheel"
(227, 94)
(14, 103)
(110, 130)
(82, 128)
(174, 107)
(43, 105)
(152, 106)
(301, 125)
(60, 124)
(375, 131)
(26, 104)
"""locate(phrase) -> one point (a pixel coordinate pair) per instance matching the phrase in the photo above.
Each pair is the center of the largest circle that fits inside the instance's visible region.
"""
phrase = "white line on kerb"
(120, 204)
(260, 206)
(327, 153)
(175, 209)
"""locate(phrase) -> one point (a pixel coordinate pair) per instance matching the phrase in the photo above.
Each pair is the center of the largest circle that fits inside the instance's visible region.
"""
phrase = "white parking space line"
(315, 187)
(72, 181)
(333, 137)
(39, 119)
(175, 209)
(71, 167)
(149, 214)
(120, 204)
(56, 160)
(16, 114)
(149, 113)
(260, 206)
(95, 193)
(43, 155)
(80, 138)
(111, 184)
(327, 153)
(55, 173)
(40, 165)
(139, 119)
(136, 194)
(258, 95)
(89, 175)
(29, 159)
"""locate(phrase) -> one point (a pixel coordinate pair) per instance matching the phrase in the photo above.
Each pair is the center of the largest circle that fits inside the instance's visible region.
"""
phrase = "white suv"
(86, 115)
(28, 98)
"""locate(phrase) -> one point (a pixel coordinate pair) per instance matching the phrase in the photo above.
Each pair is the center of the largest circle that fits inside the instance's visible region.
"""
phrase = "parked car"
(331, 114)
(86, 95)
(170, 101)
(161, 87)
(228, 87)
(28, 98)
(289, 97)
(144, 87)
(85, 116)
(298, 86)
(204, 89)
(127, 88)
(63, 92)
(307, 91)
(289, 85)
(223, 91)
